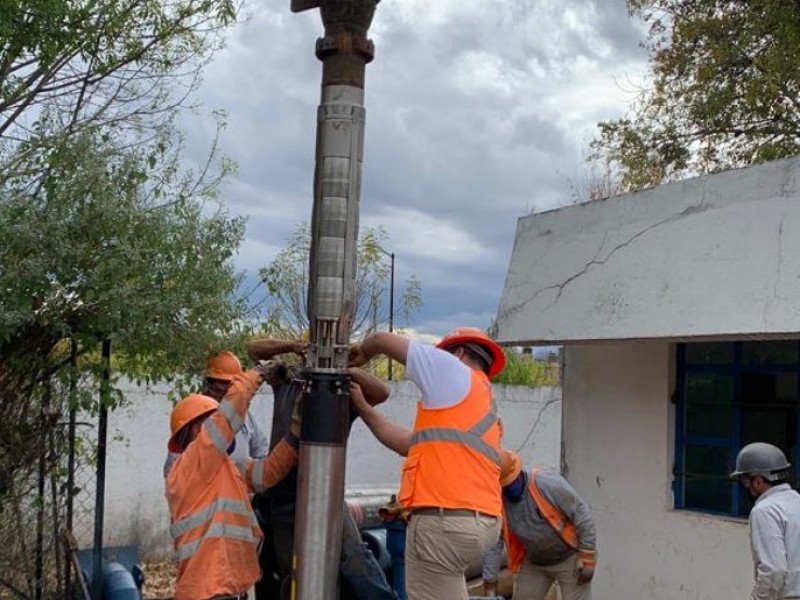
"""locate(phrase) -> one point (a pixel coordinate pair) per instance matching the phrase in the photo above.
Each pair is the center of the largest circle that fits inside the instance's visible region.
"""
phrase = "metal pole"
(73, 361)
(391, 305)
(100, 488)
(391, 299)
(39, 551)
(344, 51)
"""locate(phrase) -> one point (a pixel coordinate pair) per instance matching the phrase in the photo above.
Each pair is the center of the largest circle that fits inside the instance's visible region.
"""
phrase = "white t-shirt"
(443, 379)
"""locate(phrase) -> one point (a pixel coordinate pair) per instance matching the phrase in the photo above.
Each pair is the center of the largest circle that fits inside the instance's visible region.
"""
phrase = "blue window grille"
(729, 394)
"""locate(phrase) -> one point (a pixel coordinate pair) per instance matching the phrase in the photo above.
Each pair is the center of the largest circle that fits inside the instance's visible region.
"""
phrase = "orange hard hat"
(510, 467)
(186, 411)
(224, 365)
(466, 335)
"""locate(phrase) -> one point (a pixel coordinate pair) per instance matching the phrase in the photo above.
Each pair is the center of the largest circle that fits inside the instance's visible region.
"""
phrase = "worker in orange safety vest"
(250, 440)
(215, 531)
(549, 533)
(450, 479)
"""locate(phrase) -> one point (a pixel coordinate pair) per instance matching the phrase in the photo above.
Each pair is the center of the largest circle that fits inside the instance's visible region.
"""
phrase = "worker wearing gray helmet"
(774, 521)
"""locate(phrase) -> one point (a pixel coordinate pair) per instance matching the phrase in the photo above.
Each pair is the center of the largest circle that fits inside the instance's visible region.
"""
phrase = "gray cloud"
(477, 112)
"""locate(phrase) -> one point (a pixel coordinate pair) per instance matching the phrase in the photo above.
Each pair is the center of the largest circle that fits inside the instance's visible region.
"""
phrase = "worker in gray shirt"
(774, 521)
(250, 441)
(549, 532)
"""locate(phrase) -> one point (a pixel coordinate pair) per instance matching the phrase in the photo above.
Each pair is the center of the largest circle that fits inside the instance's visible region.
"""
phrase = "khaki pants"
(533, 581)
(440, 548)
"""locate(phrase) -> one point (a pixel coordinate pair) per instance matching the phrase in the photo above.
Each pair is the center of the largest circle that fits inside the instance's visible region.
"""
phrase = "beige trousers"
(439, 549)
(533, 582)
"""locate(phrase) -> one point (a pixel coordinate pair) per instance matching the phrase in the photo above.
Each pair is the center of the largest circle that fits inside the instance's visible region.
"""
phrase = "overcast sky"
(478, 112)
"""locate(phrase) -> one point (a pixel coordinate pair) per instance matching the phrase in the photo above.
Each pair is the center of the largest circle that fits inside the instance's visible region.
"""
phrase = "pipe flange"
(345, 43)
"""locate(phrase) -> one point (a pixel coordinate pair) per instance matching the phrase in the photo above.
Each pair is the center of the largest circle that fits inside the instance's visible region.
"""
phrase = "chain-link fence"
(47, 496)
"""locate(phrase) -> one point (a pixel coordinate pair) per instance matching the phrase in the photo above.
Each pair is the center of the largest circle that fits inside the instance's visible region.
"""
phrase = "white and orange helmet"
(468, 336)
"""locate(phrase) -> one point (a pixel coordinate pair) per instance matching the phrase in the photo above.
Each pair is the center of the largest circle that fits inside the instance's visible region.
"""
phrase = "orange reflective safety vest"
(554, 517)
(214, 529)
(454, 458)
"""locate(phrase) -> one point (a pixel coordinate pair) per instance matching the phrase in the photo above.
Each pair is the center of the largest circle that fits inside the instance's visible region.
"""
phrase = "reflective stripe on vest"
(257, 477)
(204, 518)
(216, 435)
(454, 454)
(472, 438)
(241, 466)
(206, 514)
(217, 530)
(227, 409)
(553, 515)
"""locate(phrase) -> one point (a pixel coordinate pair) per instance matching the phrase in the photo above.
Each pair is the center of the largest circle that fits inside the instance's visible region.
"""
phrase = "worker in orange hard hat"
(451, 478)
(549, 532)
(214, 529)
(250, 441)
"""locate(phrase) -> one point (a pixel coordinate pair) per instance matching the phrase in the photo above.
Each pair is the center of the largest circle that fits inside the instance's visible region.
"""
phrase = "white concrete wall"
(618, 439)
(712, 256)
(136, 511)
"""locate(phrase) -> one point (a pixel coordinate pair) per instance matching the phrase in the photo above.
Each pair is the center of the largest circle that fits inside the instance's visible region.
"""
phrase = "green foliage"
(524, 369)
(101, 62)
(104, 234)
(725, 91)
(93, 256)
(286, 280)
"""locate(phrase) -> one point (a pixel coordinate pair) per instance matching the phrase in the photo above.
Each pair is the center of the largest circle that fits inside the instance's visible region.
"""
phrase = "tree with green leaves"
(725, 91)
(286, 280)
(104, 233)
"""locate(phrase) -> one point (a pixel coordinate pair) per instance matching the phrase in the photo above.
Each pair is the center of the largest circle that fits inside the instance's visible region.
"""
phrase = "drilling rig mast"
(344, 51)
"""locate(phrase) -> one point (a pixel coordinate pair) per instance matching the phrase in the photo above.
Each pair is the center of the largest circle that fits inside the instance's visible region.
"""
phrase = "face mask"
(514, 490)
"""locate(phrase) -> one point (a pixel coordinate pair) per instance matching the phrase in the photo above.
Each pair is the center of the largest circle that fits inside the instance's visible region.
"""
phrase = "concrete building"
(678, 311)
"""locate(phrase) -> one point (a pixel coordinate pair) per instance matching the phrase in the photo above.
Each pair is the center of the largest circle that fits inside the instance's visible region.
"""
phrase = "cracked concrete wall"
(136, 511)
(618, 444)
(715, 256)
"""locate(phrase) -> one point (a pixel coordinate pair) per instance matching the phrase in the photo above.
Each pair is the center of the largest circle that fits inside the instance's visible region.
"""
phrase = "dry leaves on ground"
(159, 580)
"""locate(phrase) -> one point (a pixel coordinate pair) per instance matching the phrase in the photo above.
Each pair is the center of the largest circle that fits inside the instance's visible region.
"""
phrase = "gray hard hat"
(761, 459)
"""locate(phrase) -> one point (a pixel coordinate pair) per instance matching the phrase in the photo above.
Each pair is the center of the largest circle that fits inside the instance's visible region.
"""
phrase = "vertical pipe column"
(344, 52)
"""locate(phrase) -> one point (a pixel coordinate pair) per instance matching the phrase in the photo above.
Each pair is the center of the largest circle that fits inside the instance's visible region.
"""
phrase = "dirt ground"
(159, 580)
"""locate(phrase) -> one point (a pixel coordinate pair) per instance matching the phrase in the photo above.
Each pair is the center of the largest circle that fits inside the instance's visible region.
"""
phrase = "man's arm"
(381, 342)
(264, 473)
(204, 456)
(559, 492)
(390, 434)
(375, 390)
(269, 348)
(575, 508)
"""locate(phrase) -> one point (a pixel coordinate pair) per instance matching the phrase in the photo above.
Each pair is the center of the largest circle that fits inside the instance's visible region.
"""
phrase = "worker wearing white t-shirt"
(450, 480)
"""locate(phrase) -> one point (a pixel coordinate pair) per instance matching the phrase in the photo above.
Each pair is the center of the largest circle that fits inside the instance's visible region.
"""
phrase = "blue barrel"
(396, 546)
(118, 583)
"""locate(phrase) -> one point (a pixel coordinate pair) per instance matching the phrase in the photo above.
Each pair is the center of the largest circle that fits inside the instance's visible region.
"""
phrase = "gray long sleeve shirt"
(543, 545)
(775, 544)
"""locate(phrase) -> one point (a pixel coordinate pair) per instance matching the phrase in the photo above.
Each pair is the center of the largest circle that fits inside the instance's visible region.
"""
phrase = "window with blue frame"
(730, 394)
